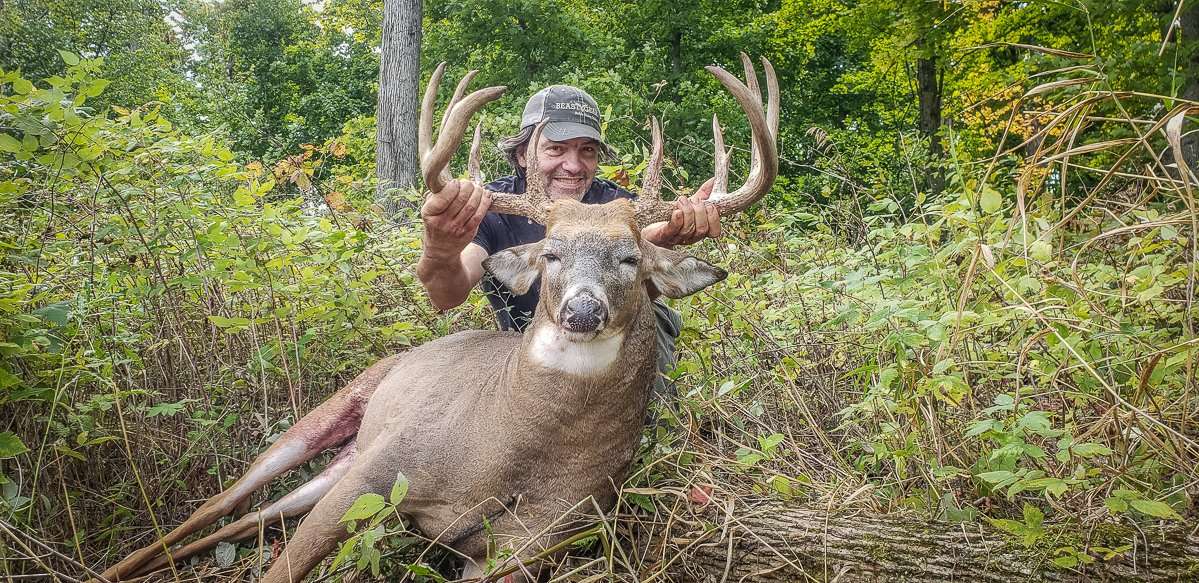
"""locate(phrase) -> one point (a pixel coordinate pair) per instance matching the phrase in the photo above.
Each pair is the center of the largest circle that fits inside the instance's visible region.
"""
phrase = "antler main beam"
(764, 162)
(435, 156)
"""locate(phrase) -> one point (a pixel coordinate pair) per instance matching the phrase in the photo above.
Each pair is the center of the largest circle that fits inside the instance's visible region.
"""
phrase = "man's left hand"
(694, 219)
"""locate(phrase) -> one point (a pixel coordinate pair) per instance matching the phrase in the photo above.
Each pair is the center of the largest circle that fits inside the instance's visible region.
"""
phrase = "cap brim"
(564, 130)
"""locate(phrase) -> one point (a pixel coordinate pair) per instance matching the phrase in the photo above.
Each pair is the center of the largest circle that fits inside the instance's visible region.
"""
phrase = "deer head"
(594, 266)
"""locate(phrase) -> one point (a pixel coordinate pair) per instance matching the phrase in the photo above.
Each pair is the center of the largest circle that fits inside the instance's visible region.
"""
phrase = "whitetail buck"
(496, 426)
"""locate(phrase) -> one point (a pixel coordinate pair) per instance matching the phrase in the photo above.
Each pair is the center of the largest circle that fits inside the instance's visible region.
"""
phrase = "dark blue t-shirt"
(501, 231)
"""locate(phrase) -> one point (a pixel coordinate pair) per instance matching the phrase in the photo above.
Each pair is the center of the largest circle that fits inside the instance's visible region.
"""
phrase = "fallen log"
(785, 543)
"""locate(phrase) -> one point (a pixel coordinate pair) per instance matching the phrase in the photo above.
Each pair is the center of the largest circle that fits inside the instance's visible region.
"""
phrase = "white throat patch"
(553, 349)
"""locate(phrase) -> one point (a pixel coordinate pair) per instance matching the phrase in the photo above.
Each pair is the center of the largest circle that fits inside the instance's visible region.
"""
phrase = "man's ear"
(676, 275)
(515, 267)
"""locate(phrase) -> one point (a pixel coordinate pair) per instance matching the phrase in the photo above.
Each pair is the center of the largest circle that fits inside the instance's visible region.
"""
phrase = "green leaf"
(1037, 422)
(1155, 509)
(1041, 251)
(230, 324)
(56, 313)
(399, 489)
(344, 552)
(96, 87)
(7, 379)
(770, 442)
(997, 476)
(366, 506)
(1086, 450)
(166, 409)
(1116, 504)
(71, 59)
(9, 143)
(990, 200)
(1033, 517)
(11, 445)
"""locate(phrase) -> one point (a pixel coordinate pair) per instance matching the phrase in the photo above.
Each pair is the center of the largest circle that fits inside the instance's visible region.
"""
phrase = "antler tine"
(459, 91)
(772, 99)
(720, 185)
(435, 162)
(650, 208)
(435, 157)
(651, 182)
(425, 131)
(472, 164)
(764, 167)
(751, 80)
(762, 174)
(536, 189)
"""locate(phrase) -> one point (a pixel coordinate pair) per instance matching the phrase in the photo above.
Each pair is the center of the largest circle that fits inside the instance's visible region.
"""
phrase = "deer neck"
(612, 369)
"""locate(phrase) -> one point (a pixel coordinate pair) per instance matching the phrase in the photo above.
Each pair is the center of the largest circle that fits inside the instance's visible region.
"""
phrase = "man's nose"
(571, 162)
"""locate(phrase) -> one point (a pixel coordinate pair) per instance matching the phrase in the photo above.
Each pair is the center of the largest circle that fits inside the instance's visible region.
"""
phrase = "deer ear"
(515, 267)
(676, 275)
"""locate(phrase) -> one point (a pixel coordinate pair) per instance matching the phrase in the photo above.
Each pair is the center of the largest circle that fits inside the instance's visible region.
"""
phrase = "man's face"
(569, 166)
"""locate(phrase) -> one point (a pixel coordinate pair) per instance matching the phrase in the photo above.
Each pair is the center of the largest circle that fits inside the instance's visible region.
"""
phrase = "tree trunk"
(928, 91)
(399, 81)
(782, 543)
(1188, 36)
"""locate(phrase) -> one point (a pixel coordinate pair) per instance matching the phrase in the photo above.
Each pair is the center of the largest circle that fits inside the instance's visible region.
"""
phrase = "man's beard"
(568, 186)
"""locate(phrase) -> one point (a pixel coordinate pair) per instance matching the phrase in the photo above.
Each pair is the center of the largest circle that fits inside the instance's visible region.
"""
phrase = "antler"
(435, 157)
(764, 160)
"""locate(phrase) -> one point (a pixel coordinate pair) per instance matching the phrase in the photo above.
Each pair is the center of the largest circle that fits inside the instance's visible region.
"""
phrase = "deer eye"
(631, 260)
(550, 257)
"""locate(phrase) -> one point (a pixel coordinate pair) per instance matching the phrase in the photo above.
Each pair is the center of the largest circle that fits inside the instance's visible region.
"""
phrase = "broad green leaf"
(997, 476)
(11, 445)
(347, 548)
(399, 489)
(9, 143)
(1087, 450)
(7, 379)
(990, 200)
(366, 506)
(771, 441)
(1155, 509)
(1033, 517)
(1041, 251)
(71, 59)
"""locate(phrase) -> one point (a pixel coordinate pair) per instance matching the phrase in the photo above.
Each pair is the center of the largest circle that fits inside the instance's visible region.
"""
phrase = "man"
(460, 232)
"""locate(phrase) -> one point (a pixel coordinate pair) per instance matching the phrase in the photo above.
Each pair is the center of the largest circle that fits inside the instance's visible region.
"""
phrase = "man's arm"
(450, 264)
(448, 280)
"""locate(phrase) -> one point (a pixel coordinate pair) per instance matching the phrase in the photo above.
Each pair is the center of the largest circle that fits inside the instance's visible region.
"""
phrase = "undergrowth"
(1018, 349)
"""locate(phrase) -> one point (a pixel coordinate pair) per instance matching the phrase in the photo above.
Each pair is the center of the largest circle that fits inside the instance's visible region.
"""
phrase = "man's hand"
(694, 218)
(452, 217)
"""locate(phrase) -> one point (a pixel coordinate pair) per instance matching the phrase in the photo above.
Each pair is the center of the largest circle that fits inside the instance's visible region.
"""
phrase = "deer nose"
(583, 313)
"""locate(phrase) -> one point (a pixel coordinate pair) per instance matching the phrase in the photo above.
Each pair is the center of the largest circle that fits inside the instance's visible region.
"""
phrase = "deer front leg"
(333, 422)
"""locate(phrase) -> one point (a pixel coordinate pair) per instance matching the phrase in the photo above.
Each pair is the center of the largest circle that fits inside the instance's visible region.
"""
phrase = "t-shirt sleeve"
(485, 237)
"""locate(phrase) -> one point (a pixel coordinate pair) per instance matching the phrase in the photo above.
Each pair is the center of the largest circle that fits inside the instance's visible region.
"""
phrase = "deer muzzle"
(583, 312)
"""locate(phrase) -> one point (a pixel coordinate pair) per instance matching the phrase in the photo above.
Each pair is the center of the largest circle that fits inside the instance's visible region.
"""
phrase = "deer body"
(477, 443)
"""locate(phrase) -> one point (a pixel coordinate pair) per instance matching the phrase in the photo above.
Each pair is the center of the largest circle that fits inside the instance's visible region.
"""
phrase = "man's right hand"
(452, 217)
